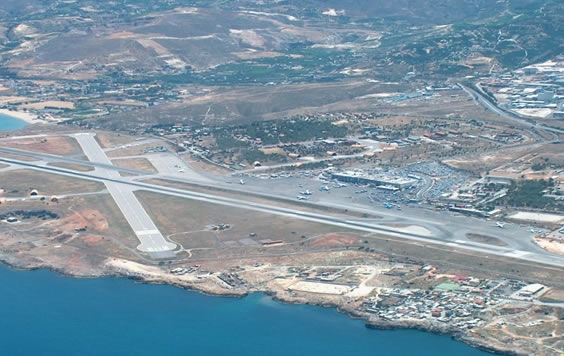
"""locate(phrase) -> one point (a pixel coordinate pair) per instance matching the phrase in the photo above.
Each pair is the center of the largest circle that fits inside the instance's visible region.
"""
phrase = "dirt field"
(101, 216)
(20, 182)
(126, 102)
(553, 295)
(109, 139)
(203, 166)
(58, 145)
(184, 218)
(17, 157)
(142, 164)
(49, 104)
(552, 245)
(93, 223)
(322, 288)
(134, 150)
(505, 161)
(85, 218)
(335, 240)
(13, 99)
(73, 166)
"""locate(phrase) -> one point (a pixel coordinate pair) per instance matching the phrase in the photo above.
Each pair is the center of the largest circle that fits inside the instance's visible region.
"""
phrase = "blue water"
(44, 313)
(8, 123)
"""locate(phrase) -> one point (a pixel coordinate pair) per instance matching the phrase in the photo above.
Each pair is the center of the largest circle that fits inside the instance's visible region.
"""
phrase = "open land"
(401, 163)
(220, 239)
(141, 164)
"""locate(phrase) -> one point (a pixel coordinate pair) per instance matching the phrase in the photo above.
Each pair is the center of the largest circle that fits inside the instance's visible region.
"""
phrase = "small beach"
(20, 115)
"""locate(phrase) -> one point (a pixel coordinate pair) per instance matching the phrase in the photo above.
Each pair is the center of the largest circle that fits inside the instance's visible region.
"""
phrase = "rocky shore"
(156, 275)
(442, 329)
(370, 322)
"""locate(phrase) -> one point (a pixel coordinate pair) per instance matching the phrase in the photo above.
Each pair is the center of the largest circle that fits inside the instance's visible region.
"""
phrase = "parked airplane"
(307, 192)
(500, 225)
(242, 182)
(301, 197)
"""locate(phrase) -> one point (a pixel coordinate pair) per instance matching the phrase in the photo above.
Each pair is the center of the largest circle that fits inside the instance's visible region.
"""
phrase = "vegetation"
(256, 155)
(529, 194)
(538, 167)
(281, 131)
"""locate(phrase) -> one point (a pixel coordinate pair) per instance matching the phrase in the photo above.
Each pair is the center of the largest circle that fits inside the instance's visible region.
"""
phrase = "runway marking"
(516, 253)
(141, 223)
(147, 232)
(238, 203)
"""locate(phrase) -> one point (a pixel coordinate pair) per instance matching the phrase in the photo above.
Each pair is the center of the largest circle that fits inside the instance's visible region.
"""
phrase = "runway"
(531, 255)
(151, 239)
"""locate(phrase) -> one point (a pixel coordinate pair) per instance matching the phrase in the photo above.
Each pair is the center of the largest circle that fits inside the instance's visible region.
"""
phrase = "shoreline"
(20, 115)
(369, 322)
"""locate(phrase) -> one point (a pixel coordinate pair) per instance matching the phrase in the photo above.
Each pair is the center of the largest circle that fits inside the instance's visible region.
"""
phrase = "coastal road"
(530, 255)
(152, 241)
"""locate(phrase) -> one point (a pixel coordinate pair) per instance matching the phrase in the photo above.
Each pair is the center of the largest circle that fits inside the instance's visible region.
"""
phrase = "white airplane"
(182, 170)
(500, 225)
(325, 188)
(301, 197)
(307, 192)
(242, 182)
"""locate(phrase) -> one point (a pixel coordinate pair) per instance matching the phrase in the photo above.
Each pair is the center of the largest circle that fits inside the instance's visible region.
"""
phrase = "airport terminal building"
(376, 180)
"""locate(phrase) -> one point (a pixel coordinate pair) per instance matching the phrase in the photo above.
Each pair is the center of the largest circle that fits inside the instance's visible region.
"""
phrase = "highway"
(152, 241)
(531, 253)
(481, 99)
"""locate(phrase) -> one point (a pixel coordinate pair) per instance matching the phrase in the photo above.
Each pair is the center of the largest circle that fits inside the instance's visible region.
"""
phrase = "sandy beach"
(20, 115)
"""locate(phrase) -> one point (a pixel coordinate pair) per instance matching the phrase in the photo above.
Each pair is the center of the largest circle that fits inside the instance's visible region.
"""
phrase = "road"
(439, 235)
(152, 241)
(480, 98)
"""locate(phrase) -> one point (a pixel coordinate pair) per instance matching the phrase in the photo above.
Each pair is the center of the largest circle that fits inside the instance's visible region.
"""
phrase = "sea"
(8, 123)
(45, 313)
